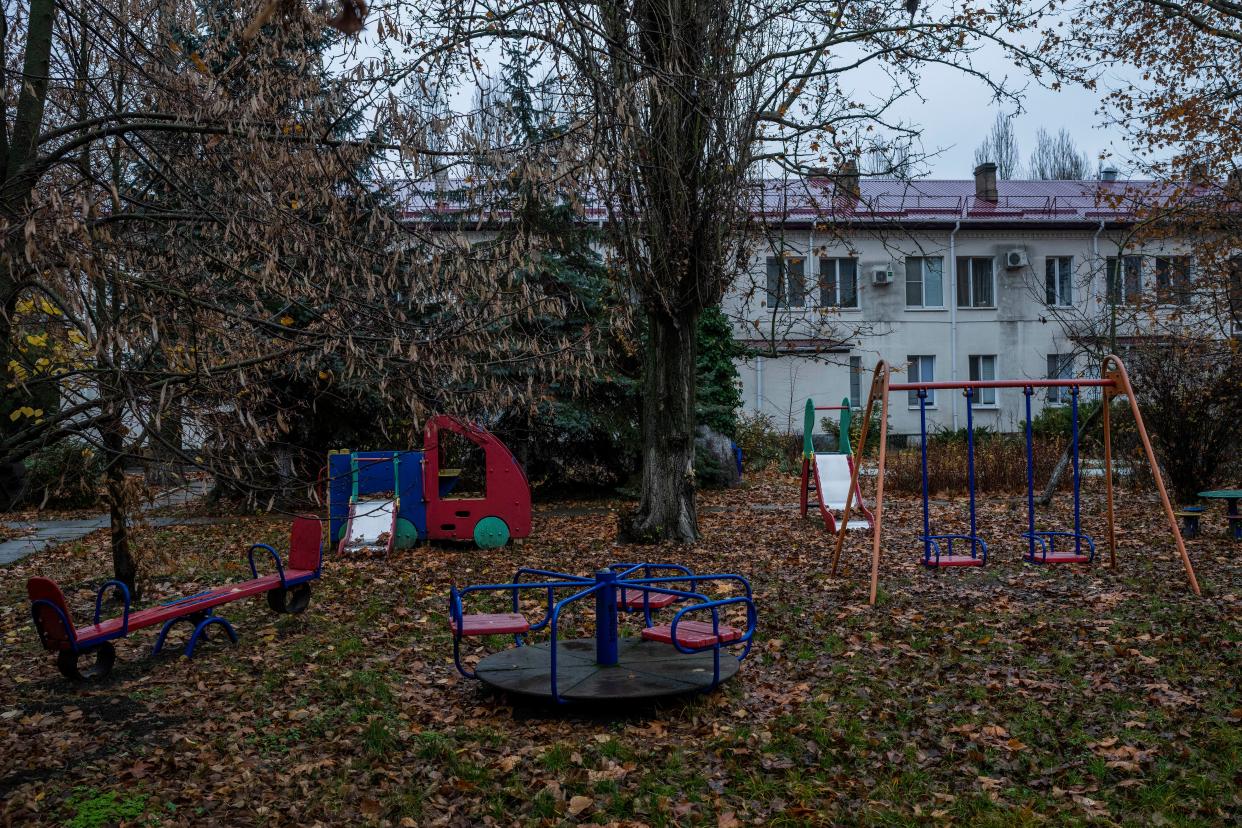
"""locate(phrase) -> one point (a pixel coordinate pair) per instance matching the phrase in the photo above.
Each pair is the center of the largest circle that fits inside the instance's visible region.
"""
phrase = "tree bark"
(667, 509)
(124, 567)
(15, 189)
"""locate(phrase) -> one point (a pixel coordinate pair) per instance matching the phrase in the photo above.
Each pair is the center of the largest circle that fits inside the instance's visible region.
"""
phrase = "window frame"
(969, 282)
(1057, 395)
(785, 281)
(1059, 281)
(986, 397)
(912, 398)
(833, 280)
(1117, 277)
(855, 381)
(1179, 279)
(922, 282)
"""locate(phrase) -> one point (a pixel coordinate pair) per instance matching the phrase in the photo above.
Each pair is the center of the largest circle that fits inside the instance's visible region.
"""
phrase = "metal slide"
(832, 482)
(372, 526)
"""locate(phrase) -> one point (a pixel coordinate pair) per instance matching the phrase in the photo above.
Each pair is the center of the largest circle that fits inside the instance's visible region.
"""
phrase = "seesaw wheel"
(104, 657)
(292, 601)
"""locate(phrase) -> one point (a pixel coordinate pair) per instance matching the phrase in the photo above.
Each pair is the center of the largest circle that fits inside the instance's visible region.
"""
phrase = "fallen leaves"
(987, 687)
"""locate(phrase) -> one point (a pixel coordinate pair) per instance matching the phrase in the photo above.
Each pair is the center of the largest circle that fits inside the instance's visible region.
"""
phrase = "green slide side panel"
(491, 533)
(808, 427)
(843, 436)
(407, 535)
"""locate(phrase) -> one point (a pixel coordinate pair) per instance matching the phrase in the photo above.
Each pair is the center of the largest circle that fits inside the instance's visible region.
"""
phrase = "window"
(1173, 279)
(983, 367)
(924, 282)
(1058, 283)
(1125, 279)
(838, 283)
(1234, 290)
(855, 382)
(1060, 366)
(974, 282)
(922, 369)
(786, 289)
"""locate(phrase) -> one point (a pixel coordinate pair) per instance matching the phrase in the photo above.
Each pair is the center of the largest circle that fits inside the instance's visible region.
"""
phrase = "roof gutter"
(1095, 246)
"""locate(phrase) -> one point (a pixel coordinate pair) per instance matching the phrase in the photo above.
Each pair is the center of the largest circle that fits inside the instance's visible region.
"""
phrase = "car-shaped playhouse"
(381, 500)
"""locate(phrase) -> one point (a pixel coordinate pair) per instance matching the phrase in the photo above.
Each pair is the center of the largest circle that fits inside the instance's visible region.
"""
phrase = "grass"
(1008, 696)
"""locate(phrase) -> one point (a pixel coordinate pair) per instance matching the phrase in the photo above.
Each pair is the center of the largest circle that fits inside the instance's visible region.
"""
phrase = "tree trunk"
(124, 567)
(16, 184)
(667, 509)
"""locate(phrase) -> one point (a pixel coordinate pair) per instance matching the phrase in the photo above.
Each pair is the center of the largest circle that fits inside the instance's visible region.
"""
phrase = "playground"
(1011, 693)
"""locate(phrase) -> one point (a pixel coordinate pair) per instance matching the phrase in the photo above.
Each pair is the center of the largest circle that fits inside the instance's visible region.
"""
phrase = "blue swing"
(1046, 541)
(934, 555)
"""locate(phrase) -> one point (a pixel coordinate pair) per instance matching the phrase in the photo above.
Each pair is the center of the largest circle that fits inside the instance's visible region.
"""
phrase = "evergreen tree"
(587, 433)
(584, 433)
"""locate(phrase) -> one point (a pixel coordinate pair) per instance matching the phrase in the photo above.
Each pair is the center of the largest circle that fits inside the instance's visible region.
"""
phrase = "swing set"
(1043, 546)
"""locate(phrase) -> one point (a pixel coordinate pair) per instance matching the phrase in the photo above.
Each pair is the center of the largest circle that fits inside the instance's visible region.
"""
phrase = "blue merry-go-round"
(694, 650)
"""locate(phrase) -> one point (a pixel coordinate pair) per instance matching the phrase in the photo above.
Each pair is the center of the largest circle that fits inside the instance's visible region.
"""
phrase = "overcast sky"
(957, 112)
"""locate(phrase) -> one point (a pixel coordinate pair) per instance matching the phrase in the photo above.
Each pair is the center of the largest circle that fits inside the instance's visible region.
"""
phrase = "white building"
(946, 280)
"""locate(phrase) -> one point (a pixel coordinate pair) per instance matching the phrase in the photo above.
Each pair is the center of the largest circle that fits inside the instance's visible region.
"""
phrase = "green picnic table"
(1231, 498)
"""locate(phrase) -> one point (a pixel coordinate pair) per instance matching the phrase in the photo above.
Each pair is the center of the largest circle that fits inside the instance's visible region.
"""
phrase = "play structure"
(381, 500)
(682, 655)
(287, 589)
(1043, 546)
(829, 474)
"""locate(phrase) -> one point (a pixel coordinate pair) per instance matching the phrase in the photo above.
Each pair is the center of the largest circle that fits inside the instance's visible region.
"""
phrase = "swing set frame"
(1113, 381)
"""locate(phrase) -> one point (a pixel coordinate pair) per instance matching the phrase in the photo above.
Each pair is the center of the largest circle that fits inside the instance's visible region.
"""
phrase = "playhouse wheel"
(491, 533)
(291, 601)
(104, 657)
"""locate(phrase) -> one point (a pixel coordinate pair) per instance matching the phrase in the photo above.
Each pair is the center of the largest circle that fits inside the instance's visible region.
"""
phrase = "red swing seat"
(497, 623)
(633, 599)
(693, 635)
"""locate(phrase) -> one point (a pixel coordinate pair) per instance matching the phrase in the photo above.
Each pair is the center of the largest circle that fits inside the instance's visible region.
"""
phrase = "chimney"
(846, 180)
(985, 182)
(1108, 174)
(1200, 175)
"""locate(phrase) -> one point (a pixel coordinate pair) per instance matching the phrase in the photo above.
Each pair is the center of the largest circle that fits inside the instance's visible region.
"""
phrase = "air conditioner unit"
(882, 276)
(1016, 258)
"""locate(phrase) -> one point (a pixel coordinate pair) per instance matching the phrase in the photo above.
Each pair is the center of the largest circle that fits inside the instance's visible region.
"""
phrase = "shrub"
(1190, 393)
(65, 475)
(957, 436)
(1000, 465)
(832, 428)
(762, 444)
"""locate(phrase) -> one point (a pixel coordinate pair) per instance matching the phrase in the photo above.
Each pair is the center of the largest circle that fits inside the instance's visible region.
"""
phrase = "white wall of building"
(1018, 330)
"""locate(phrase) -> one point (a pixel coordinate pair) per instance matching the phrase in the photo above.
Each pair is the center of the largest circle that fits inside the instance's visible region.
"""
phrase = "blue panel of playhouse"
(378, 477)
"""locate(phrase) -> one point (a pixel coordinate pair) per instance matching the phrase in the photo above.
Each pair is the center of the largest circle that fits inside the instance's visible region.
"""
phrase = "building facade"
(945, 280)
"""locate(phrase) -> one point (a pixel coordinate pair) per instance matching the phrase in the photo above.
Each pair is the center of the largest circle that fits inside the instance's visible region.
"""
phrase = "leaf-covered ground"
(1010, 695)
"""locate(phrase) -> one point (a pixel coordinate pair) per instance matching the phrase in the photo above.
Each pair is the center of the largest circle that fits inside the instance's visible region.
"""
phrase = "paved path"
(54, 532)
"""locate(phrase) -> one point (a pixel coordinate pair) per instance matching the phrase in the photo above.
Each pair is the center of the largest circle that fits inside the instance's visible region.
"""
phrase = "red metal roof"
(880, 200)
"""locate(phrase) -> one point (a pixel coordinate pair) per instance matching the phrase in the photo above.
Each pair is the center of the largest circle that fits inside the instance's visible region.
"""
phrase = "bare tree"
(685, 105)
(1000, 147)
(196, 230)
(1057, 158)
(889, 159)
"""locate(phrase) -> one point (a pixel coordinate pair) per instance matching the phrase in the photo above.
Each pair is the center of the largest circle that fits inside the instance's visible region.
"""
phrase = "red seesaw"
(287, 589)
